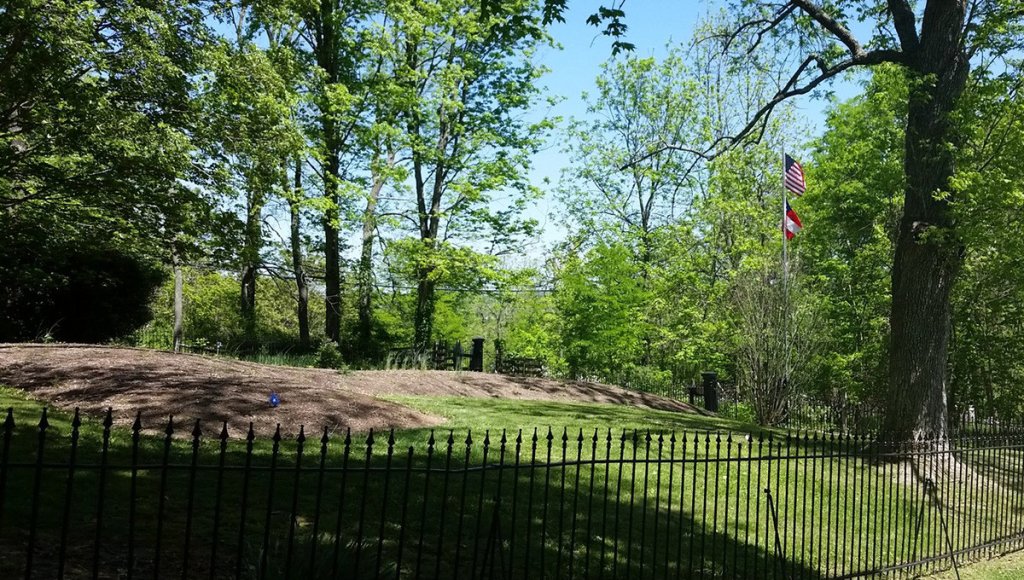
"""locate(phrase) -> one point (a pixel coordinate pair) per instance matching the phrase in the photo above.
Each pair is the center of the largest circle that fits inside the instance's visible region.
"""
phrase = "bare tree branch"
(768, 24)
(840, 32)
(791, 89)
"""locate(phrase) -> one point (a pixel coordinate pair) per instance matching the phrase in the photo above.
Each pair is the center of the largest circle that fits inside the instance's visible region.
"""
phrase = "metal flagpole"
(785, 262)
(785, 278)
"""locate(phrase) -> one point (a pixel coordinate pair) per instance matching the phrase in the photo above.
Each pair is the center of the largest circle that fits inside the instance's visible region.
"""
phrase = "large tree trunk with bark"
(332, 254)
(250, 263)
(426, 300)
(928, 253)
(365, 273)
(301, 285)
(327, 59)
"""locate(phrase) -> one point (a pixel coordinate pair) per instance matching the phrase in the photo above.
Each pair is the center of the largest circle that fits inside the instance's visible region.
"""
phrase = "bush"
(329, 356)
(73, 291)
(738, 411)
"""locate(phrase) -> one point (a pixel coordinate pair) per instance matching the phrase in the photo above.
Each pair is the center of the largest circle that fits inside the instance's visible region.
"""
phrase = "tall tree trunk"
(928, 255)
(250, 263)
(301, 286)
(179, 309)
(426, 296)
(332, 254)
(646, 263)
(332, 257)
(430, 209)
(365, 273)
(327, 59)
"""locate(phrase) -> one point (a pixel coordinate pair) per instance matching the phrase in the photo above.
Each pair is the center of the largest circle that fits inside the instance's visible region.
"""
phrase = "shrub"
(329, 356)
(738, 411)
(75, 294)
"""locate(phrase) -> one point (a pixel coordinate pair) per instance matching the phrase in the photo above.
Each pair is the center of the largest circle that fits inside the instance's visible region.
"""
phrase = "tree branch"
(768, 26)
(906, 24)
(832, 25)
(789, 90)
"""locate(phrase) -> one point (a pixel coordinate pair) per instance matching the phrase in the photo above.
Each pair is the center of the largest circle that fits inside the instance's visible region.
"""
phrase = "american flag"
(791, 223)
(794, 177)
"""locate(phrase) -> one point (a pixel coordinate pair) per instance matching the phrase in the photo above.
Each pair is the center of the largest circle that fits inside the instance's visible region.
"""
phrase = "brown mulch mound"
(213, 389)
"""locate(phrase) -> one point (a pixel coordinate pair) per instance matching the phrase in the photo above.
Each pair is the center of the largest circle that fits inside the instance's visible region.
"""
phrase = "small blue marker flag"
(274, 399)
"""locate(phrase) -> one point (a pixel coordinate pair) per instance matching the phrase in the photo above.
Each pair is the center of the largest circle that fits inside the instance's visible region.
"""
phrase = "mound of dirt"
(214, 389)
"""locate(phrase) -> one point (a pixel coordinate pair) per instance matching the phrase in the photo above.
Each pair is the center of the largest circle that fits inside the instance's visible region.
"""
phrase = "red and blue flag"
(794, 177)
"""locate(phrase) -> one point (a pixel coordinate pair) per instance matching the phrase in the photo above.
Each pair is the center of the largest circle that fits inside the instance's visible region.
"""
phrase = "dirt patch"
(213, 389)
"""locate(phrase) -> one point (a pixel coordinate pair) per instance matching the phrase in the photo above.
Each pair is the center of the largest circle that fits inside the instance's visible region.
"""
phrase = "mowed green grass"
(494, 415)
(592, 513)
(1003, 567)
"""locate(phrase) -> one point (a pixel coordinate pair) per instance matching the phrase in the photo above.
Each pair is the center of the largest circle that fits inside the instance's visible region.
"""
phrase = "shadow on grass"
(557, 506)
(363, 515)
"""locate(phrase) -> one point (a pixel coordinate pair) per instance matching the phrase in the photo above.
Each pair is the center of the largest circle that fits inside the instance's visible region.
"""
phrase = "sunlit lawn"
(480, 414)
(1005, 567)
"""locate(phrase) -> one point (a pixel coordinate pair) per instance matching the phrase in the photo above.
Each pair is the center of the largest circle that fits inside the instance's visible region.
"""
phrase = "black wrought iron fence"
(100, 501)
(806, 413)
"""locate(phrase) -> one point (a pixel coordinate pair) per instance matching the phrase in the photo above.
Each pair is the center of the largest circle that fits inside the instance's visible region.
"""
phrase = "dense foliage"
(347, 178)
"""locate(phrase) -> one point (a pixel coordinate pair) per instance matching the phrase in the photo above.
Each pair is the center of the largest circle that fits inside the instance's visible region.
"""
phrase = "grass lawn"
(1006, 567)
(608, 507)
(481, 414)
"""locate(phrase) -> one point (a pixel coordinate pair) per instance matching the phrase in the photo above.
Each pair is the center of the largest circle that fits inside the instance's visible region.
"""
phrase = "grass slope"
(463, 414)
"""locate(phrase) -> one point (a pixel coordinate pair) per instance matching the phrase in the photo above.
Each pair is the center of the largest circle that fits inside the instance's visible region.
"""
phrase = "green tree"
(250, 108)
(97, 134)
(853, 204)
(614, 190)
(987, 340)
(464, 76)
(601, 301)
(855, 208)
(335, 35)
(646, 175)
(936, 43)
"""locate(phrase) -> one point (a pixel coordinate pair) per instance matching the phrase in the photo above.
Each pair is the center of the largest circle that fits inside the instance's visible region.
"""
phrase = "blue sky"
(653, 24)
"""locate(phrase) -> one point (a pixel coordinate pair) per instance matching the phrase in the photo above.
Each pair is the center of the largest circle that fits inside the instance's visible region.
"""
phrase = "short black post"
(476, 357)
(440, 355)
(710, 391)
(457, 356)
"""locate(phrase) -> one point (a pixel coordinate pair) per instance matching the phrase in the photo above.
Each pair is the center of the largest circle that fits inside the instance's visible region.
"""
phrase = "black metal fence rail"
(93, 501)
